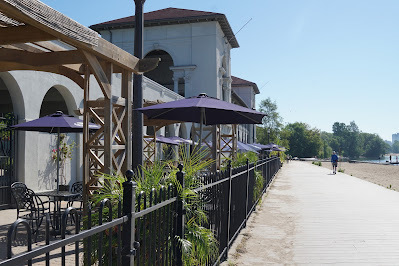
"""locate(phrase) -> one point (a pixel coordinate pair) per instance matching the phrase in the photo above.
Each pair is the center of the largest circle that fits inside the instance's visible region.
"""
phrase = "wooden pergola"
(35, 37)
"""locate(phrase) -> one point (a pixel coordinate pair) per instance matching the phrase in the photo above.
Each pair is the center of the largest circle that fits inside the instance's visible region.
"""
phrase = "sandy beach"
(383, 175)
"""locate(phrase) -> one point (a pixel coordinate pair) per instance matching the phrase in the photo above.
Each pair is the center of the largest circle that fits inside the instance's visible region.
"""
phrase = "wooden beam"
(104, 49)
(99, 74)
(41, 59)
(23, 34)
(50, 46)
(21, 46)
(61, 70)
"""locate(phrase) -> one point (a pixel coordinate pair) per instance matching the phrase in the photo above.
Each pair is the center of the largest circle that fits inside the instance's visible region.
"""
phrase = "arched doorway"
(5, 99)
(53, 101)
(7, 144)
(162, 74)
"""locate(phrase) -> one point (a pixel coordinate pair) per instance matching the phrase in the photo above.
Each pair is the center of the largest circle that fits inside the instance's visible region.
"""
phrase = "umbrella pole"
(58, 161)
(201, 121)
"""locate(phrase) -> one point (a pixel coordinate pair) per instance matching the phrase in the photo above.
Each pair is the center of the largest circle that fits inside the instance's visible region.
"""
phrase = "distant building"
(395, 137)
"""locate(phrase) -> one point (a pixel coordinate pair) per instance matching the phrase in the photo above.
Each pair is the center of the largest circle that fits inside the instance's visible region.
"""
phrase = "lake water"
(382, 160)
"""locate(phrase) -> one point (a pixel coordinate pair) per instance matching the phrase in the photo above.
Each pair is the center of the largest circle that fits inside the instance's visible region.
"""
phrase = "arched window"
(161, 74)
(5, 99)
(53, 102)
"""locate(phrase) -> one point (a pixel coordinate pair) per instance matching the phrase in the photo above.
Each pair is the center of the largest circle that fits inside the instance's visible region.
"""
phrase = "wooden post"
(127, 121)
(86, 119)
(108, 124)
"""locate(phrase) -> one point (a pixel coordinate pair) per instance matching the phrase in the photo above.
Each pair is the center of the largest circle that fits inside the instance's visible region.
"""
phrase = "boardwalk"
(313, 217)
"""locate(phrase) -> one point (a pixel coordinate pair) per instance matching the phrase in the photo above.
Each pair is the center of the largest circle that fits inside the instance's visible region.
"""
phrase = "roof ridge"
(157, 11)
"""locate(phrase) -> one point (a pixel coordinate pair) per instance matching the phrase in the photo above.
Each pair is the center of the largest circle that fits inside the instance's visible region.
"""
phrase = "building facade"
(194, 47)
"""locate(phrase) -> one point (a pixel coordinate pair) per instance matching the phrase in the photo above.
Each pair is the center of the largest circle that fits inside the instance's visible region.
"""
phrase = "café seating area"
(34, 206)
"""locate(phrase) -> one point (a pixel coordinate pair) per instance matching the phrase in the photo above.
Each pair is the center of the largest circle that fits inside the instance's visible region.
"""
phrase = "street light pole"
(137, 130)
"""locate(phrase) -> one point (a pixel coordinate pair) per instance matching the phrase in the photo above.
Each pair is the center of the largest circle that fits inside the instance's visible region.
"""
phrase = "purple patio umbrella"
(274, 149)
(261, 146)
(204, 110)
(267, 146)
(55, 123)
(181, 140)
(244, 147)
(165, 140)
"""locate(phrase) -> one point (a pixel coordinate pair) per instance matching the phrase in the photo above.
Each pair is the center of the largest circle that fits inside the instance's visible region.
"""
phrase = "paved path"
(310, 216)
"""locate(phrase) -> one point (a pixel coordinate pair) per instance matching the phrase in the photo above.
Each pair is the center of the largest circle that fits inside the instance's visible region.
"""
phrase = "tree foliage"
(272, 123)
(350, 142)
(395, 147)
(304, 141)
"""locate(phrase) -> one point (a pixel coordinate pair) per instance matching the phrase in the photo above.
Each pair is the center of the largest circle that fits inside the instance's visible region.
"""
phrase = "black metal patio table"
(57, 197)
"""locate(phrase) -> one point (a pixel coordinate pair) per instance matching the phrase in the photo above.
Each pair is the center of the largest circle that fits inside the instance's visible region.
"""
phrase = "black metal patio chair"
(77, 187)
(29, 206)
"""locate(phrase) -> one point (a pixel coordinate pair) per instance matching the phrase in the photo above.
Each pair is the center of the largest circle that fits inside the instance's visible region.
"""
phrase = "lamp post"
(137, 130)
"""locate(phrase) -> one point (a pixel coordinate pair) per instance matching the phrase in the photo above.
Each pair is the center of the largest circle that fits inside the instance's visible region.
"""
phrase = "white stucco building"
(195, 50)
(194, 47)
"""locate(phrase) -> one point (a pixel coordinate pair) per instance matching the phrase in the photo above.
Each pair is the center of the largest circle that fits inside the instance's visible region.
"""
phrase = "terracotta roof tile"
(167, 13)
(169, 16)
(237, 82)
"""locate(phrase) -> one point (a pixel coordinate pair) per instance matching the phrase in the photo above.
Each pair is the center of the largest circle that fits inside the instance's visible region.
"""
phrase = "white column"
(175, 83)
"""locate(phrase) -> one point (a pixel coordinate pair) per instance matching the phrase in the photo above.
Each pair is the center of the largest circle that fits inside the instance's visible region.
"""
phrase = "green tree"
(303, 140)
(326, 138)
(346, 139)
(353, 142)
(373, 146)
(272, 123)
(395, 147)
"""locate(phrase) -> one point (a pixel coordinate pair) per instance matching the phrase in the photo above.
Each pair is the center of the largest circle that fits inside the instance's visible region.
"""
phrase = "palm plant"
(199, 244)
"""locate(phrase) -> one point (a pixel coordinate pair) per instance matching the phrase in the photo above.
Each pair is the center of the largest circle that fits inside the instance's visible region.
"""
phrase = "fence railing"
(143, 229)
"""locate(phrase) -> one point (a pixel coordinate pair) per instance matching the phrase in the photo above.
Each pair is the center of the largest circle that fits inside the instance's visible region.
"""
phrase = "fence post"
(180, 216)
(229, 208)
(246, 195)
(129, 201)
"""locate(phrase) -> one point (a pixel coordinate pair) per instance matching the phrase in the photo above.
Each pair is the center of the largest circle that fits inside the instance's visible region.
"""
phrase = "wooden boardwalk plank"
(313, 217)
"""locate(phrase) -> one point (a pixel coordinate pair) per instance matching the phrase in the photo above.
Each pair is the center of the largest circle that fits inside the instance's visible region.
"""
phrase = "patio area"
(7, 217)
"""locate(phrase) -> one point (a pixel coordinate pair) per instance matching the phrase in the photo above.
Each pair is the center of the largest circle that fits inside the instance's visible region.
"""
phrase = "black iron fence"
(143, 229)
(231, 196)
(7, 158)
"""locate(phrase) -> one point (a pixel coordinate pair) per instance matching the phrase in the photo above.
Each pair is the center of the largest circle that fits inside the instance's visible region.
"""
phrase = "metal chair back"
(19, 192)
(77, 187)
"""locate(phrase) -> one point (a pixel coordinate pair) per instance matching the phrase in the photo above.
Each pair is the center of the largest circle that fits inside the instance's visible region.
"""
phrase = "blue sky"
(321, 61)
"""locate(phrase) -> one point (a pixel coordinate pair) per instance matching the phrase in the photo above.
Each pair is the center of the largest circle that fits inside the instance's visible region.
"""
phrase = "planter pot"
(64, 187)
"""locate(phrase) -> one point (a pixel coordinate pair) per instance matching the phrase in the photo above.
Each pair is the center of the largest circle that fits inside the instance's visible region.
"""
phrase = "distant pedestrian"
(334, 161)
(390, 158)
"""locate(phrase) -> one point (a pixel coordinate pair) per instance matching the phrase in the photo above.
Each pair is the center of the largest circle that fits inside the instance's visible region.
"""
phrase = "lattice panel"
(96, 143)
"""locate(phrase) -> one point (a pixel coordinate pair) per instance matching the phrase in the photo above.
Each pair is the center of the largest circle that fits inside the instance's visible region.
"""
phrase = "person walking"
(334, 161)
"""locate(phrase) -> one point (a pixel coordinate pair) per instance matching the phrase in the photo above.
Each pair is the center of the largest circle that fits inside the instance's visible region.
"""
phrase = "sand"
(383, 175)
